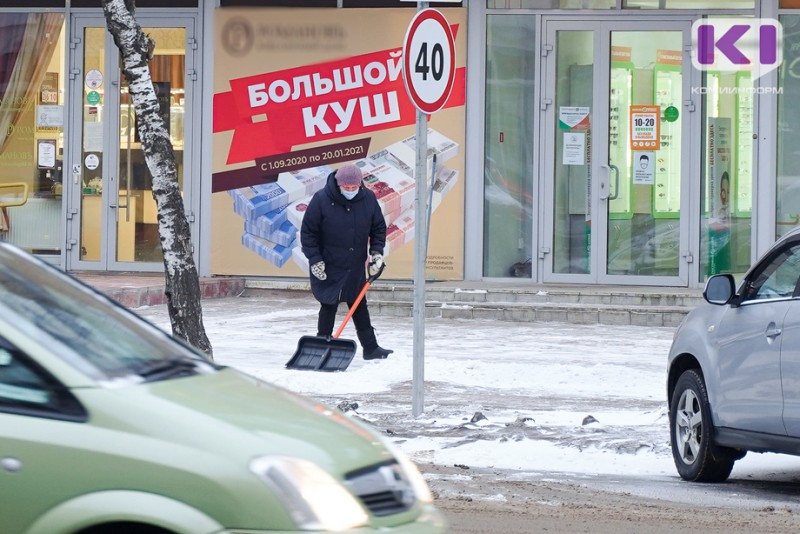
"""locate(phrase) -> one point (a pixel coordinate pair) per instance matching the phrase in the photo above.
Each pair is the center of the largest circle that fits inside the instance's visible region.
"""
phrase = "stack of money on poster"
(273, 212)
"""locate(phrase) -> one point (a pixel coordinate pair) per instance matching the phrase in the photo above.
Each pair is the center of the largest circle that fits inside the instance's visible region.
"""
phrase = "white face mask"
(349, 195)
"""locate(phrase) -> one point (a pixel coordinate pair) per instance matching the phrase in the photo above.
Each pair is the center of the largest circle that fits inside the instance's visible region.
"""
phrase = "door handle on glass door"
(604, 192)
(616, 183)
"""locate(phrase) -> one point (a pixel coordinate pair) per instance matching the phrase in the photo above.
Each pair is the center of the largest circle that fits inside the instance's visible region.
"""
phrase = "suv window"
(27, 389)
(778, 277)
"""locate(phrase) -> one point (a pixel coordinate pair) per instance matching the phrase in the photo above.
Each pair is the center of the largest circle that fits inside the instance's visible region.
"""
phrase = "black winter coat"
(341, 233)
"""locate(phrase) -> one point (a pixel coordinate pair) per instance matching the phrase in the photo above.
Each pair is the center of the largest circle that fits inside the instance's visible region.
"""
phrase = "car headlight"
(414, 477)
(315, 500)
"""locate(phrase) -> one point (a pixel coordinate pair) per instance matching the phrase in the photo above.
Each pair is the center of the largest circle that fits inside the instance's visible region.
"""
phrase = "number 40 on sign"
(429, 64)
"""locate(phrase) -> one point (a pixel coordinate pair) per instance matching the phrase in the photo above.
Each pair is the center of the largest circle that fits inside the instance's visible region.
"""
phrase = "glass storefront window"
(629, 4)
(688, 4)
(508, 174)
(572, 201)
(168, 73)
(32, 130)
(787, 208)
(93, 143)
(644, 204)
(551, 4)
(727, 184)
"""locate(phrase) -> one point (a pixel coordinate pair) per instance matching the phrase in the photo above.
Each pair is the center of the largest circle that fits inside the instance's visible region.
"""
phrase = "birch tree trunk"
(182, 281)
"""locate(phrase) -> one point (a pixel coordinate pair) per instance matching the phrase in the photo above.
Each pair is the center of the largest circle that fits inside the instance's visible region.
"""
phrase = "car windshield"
(104, 340)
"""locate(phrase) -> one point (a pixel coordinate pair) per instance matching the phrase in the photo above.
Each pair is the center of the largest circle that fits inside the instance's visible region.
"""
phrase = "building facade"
(593, 142)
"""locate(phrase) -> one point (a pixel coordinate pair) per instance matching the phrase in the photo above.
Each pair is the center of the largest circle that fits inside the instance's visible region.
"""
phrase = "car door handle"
(12, 465)
(772, 332)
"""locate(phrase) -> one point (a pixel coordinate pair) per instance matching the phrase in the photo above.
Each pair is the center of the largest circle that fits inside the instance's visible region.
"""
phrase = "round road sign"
(429, 60)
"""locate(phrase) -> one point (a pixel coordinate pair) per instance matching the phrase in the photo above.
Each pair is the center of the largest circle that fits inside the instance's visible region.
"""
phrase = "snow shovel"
(322, 353)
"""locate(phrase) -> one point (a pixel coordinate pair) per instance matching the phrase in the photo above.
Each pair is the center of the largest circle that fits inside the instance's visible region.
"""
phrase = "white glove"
(318, 270)
(375, 264)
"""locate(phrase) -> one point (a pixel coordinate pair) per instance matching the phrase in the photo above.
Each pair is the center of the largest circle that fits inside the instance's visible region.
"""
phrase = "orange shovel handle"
(358, 300)
(352, 309)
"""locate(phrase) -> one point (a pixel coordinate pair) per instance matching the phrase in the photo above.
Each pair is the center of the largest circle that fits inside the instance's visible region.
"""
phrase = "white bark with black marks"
(182, 281)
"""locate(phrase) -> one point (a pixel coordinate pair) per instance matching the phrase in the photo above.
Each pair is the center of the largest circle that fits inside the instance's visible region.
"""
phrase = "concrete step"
(541, 295)
(542, 312)
(134, 290)
(643, 306)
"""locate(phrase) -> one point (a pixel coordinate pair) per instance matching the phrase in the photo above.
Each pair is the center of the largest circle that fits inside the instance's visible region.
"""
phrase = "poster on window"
(718, 185)
(644, 128)
(574, 150)
(297, 94)
(719, 164)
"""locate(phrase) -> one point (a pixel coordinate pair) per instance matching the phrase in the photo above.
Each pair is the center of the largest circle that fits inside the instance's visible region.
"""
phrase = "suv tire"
(691, 433)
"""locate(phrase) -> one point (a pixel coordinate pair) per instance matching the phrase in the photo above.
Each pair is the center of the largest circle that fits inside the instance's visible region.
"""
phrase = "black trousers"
(327, 318)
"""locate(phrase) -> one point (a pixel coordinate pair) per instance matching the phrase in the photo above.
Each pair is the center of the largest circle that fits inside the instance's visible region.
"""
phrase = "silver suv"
(733, 379)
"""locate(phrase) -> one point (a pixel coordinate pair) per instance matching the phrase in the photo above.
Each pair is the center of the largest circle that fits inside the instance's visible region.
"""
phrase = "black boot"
(378, 354)
(371, 350)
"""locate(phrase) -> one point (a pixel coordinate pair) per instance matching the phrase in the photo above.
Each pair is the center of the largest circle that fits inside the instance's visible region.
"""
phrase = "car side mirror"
(720, 289)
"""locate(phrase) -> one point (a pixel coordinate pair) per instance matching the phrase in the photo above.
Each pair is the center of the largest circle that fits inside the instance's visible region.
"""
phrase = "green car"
(109, 425)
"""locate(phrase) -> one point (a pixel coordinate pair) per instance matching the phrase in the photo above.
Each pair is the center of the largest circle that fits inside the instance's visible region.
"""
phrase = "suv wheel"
(696, 457)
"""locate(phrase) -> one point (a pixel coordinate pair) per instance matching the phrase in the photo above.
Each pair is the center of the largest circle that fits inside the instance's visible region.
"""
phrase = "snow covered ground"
(496, 394)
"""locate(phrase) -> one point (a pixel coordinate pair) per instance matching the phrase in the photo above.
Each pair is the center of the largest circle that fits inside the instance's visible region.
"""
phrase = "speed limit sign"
(429, 60)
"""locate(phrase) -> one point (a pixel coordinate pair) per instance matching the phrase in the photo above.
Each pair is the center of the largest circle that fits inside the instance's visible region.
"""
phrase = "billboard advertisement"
(299, 93)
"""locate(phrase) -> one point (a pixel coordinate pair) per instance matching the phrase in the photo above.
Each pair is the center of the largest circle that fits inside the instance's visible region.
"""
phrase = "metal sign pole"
(421, 174)
(419, 264)
(429, 74)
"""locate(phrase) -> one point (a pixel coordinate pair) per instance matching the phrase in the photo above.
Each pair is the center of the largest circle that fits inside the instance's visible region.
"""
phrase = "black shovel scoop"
(318, 353)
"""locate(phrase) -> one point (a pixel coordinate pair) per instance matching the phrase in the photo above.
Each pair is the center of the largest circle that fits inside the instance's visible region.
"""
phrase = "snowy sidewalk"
(535, 384)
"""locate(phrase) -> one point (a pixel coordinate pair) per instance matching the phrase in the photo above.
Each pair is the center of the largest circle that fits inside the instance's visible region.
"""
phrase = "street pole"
(420, 253)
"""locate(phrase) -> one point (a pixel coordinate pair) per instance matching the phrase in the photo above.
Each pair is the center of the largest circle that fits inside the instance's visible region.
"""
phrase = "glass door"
(616, 110)
(112, 216)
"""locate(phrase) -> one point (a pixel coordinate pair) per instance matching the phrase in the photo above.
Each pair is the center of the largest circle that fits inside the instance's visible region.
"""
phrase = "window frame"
(756, 280)
(63, 406)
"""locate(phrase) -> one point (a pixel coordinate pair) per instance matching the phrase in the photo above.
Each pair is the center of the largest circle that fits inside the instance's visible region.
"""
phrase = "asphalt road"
(492, 501)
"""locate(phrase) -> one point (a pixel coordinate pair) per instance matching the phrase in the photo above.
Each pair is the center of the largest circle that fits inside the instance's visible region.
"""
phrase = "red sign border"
(419, 18)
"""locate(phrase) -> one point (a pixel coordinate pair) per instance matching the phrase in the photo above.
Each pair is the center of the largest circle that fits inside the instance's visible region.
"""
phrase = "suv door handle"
(772, 331)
